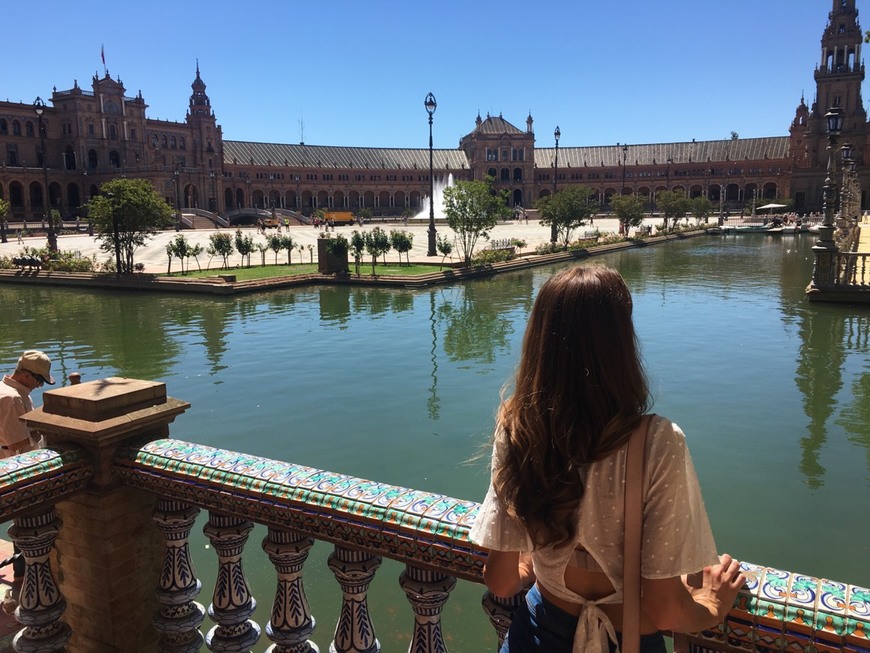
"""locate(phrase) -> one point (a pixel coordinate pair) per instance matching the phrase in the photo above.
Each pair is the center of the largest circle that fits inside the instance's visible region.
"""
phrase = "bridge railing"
(119, 475)
(853, 270)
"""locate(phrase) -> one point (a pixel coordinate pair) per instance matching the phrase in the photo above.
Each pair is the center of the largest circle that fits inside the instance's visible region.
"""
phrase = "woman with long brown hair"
(553, 516)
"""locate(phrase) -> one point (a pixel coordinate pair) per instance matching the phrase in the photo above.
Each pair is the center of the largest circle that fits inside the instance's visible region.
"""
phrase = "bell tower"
(841, 70)
(838, 78)
(206, 135)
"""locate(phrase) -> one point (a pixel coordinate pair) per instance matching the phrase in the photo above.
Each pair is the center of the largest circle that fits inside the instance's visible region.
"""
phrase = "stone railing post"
(500, 612)
(427, 592)
(108, 552)
(354, 571)
(291, 624)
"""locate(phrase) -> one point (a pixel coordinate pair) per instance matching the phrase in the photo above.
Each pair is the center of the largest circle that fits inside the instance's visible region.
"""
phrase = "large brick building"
(90, 136)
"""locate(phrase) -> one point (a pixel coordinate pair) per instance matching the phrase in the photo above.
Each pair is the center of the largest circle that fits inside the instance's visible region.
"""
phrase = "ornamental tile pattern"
(777, 611)
(41, 477)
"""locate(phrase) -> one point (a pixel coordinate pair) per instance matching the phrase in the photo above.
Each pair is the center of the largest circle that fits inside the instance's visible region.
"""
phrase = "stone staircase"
(199, 221)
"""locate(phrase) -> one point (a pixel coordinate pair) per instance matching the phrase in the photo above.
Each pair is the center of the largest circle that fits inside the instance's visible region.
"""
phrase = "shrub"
(549, 248)
(485, 256)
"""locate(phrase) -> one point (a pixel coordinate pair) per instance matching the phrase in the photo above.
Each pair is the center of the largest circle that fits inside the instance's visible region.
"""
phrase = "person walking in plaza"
(554, 515)
(32, 371)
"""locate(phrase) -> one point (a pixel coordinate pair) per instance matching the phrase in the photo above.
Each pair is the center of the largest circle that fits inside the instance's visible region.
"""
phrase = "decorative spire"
(199, 102)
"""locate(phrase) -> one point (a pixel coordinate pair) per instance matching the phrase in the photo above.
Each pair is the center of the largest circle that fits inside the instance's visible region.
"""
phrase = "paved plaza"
(153, 253)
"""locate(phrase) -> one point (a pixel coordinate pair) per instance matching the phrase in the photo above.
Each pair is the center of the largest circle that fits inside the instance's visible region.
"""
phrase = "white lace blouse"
(677, 538)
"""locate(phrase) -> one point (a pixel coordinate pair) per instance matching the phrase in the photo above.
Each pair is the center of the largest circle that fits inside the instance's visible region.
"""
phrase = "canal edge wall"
(218, 285)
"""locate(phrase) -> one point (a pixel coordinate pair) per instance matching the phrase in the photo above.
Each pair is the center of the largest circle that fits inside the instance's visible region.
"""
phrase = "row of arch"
(730, 193)
(311, 200)
(31, 197)
(235, 198)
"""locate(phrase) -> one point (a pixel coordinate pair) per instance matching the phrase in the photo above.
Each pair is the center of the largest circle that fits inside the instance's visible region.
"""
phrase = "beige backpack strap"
(634, 467)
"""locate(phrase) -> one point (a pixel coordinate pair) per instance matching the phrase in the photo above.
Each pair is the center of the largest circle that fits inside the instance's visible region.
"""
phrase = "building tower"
(838, 78)
(207, 148)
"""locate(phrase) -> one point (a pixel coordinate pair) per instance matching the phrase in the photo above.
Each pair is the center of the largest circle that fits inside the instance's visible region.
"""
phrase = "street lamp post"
(213, 203)
(623, 228)
(624, 155)
(431, 105)
(175, 176)
(39, 109)
(825, 250)
(556, 135)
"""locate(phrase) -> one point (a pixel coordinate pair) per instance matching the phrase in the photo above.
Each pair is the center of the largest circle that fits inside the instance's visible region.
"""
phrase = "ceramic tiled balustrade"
(124, 461)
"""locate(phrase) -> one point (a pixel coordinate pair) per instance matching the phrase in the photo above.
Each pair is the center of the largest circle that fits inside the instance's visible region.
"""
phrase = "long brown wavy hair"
(579, 392)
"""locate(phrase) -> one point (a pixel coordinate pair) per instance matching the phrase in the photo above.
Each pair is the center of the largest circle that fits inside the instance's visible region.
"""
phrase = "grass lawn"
(284, 270)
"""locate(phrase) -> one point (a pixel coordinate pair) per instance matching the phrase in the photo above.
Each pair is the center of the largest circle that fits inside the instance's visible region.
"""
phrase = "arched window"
(4, 127)
(181, 142)
(114, 159)
(163, 140)
(518, 174)
(92, 160)
(172, 142)
(505, 175)
(113, 132)
(16, 128)
(16, 195)
(28, 128)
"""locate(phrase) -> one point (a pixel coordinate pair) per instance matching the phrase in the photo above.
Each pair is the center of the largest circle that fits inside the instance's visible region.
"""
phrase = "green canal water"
(401, 386)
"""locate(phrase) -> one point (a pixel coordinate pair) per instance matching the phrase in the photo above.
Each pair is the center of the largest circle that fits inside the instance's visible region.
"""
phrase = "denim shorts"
(540, 626)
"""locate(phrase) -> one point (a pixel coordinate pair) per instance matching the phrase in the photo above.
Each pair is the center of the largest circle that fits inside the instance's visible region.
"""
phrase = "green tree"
(473, 208)
(244, 246)
(567, 210)
(444, 247)
(702, 208)
(402, 242)
(4, 210)
(377, 244)
(221, 245)
(288, 243)
(194, 251)
(263, 248)
(276, 244)
(125, 214)
(179, 247)
(357, 247)
(629, 209)
(673, 205)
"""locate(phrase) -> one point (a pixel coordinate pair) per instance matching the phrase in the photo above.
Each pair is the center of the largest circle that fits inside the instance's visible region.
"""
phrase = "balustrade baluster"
(180, 616)
(354, 571)
(500, 612)
(427, 592)
(232, 603)
(40, 603)
(291, 623)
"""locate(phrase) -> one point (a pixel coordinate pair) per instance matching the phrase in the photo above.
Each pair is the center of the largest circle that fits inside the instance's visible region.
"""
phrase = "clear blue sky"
(355, 73)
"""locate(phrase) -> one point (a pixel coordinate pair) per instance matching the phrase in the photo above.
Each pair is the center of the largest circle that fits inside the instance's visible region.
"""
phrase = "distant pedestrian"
(20, 239)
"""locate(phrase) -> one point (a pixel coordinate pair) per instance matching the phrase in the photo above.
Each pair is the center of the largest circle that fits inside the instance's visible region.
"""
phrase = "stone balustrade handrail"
(41, 478)
(853, 270)
(408, 525)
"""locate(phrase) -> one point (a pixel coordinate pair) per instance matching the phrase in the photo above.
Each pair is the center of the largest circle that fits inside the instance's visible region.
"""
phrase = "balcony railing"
(108, 508)
(853, 270)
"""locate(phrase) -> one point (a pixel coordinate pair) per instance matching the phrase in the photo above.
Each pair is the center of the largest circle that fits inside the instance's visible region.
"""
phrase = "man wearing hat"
(33, 370)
